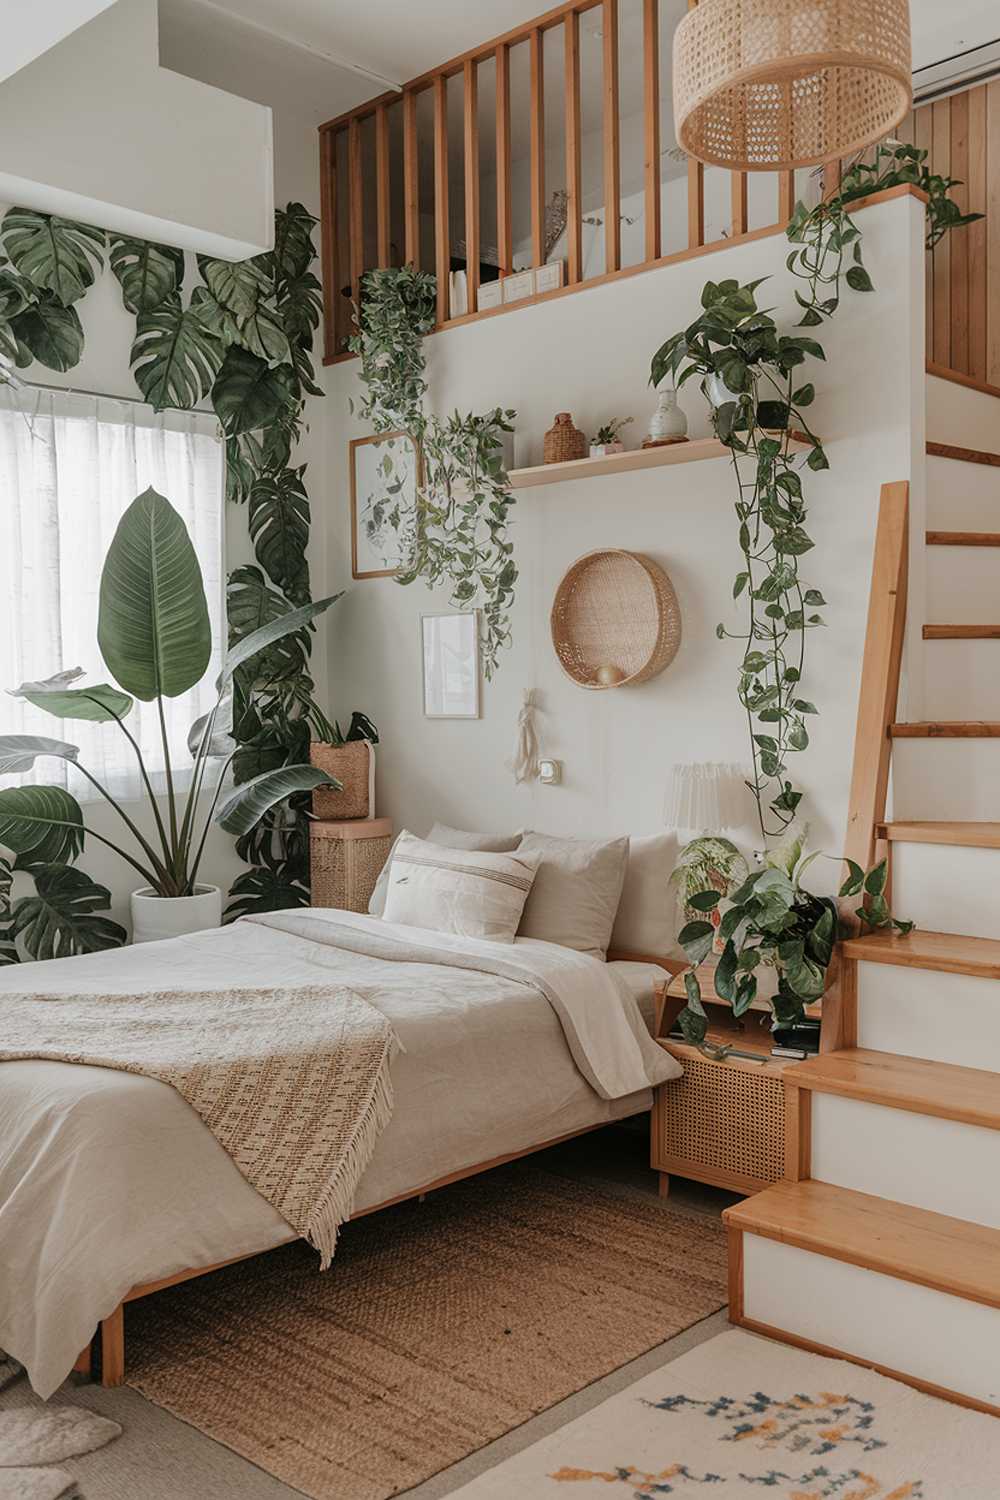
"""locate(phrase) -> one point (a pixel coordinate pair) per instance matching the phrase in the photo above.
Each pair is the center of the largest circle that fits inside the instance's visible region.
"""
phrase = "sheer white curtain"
(70, 465)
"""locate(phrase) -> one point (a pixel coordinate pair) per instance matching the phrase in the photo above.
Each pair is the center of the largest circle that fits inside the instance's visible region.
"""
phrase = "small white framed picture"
(450, 647)
(385, 473)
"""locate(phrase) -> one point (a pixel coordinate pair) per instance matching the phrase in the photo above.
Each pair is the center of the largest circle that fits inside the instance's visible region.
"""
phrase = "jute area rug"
(742, 1417)
(439, 1327)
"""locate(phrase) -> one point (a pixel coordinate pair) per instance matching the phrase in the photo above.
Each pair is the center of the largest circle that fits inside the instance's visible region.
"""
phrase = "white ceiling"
(303, 50)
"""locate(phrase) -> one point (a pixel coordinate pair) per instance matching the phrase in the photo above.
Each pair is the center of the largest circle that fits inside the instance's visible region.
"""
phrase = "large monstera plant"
(241, 337)
(155, 637)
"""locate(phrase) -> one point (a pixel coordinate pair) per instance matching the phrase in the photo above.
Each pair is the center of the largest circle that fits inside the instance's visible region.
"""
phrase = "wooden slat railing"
(363, 209)
(881, 665)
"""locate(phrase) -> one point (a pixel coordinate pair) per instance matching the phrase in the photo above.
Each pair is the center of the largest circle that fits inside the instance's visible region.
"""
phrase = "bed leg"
(113, 1347)
(85, 1362)
(664, 1184)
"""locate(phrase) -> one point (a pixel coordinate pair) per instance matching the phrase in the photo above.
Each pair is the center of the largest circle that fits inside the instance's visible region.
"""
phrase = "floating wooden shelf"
(634, 458)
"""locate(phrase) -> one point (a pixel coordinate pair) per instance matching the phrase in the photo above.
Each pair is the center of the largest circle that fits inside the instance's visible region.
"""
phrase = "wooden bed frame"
(110, 1335)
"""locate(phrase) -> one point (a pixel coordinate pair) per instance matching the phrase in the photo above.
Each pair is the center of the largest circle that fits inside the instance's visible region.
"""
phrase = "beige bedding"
(109, 1179)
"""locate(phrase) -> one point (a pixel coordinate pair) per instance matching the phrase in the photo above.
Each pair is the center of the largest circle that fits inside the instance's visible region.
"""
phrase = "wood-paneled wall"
(962, 134)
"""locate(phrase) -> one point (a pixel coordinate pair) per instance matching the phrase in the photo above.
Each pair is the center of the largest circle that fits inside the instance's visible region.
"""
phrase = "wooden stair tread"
(969, 1095)
(963, 538)
(968, 835)
(944, 952)
(936, 729)
(911, 1244)
(964, 455)
(961, 632)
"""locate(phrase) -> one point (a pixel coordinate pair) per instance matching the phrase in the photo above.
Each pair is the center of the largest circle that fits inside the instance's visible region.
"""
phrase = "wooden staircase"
(883, 1246)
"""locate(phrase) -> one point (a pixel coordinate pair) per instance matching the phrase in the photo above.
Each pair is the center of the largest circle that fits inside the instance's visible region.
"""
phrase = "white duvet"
(109, 1180)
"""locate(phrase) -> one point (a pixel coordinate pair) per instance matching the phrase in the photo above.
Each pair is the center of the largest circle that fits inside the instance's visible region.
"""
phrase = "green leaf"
(147, 273)
(805, 395)
(248, 393)
(817, 459)
(246, 804)
(262, 334)
(56, 254)
(855, 879)
(153, 627)
(96, 705)
(18, 752)
(236, 284)
(61, 919)
(704, 900)
(43, 821)
(858, 279)
(174, 357)
(279, 529)
(265, 889)
(275, 622)
(50, 333)
(696, 940)
(693, 1026)
(875, 880)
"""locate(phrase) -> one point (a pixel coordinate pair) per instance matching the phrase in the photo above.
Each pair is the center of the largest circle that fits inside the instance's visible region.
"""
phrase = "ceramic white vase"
(155, 917)
(668, 421)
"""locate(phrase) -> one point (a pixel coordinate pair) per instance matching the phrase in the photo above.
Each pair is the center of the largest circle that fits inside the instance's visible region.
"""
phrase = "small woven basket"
(615, 620)
(563, 441)
(346, 860)
(353, 764)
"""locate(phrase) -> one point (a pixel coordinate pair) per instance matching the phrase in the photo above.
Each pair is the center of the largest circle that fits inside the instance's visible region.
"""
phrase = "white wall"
(589, 353)
(95, 129)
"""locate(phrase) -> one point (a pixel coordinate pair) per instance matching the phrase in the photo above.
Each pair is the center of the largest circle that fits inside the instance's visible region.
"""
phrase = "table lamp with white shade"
(706, 797)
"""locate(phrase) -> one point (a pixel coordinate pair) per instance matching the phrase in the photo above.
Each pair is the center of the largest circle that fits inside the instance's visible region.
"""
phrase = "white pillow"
(647, 914)
(576, 891)
(458, 891)
(452, 838)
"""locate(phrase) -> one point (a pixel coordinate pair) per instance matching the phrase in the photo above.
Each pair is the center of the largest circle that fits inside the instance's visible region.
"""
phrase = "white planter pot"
(603, 450)
(155, 917)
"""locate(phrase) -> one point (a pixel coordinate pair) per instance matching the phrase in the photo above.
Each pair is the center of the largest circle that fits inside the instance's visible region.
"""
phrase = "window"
(70, 465)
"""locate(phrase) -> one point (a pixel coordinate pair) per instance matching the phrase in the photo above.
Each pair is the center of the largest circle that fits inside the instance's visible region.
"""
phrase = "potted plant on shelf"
(607, 437)
(350, 759)
(155, 636)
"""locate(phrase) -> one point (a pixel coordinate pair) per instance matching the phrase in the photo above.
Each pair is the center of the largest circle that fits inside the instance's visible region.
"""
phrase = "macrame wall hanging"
(524, 762)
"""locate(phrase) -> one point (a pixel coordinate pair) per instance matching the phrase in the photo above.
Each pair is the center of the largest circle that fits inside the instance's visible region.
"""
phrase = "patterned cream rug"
(742, 1417)
(439, 1327)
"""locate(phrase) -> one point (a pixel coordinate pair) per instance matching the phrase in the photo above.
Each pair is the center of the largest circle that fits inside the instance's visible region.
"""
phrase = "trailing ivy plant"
(456, 534)
(751, 376)
(240, 337)
(828, 237)
(773, 922)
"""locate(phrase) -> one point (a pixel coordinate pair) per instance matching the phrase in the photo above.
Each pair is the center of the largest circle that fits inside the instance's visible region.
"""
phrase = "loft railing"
(403, 180)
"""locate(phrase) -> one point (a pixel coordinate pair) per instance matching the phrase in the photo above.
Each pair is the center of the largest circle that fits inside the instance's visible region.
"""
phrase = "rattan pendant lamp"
(768, 85)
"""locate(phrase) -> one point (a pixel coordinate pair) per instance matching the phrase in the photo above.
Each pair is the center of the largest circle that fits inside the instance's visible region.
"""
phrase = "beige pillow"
(458, 891)
(576, 891)
(452, 838)
(647, 914)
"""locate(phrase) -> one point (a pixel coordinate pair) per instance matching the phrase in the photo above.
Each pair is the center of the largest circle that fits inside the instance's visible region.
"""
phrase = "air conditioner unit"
(952, 74)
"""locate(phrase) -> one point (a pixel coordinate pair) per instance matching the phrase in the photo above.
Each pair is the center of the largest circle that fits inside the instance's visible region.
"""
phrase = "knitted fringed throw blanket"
(294, 1084)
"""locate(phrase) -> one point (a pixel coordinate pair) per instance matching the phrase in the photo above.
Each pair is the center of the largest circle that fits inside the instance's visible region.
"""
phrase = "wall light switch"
(550, 772)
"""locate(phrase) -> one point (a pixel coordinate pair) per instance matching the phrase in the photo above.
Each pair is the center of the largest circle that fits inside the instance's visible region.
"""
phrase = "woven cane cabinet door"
(722, 1123)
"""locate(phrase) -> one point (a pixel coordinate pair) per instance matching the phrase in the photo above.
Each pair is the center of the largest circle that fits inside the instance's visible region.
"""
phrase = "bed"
(111, 1187)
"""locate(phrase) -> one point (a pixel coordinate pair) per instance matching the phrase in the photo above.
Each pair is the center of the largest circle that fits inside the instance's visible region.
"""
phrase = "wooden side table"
(722, 1122)
(346, 858)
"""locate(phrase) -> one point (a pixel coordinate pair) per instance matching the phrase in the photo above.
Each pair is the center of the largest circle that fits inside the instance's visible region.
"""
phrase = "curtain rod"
(79, 390)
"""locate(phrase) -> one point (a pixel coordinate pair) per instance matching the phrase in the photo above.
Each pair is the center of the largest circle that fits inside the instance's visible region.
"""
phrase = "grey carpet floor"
(159, 1457)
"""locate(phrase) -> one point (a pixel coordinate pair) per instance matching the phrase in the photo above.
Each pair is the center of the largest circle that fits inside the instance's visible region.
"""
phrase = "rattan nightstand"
(723, 1122)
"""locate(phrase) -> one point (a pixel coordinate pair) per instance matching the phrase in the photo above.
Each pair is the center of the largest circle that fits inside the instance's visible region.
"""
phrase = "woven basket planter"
(563, 441)
(354, 765)
(346, 859)
(615, 620)
(769, 85)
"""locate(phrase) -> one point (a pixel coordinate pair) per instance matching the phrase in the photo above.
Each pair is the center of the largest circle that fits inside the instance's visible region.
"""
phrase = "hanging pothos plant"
(242, 339)
(829, 239)
(456, 534)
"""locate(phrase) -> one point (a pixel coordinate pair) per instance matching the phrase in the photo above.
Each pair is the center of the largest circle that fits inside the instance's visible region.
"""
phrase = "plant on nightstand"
(775, 923)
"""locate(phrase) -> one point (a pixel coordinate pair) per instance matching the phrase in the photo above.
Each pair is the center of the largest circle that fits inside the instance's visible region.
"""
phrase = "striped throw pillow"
(458, 891)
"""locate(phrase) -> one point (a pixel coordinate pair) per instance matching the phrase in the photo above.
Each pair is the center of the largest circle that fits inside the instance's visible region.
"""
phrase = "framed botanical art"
(450, 650)
(385, 472)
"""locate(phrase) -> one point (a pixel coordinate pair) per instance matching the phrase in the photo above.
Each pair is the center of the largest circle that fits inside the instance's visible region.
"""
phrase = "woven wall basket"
(616, 618)
(768, 85)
